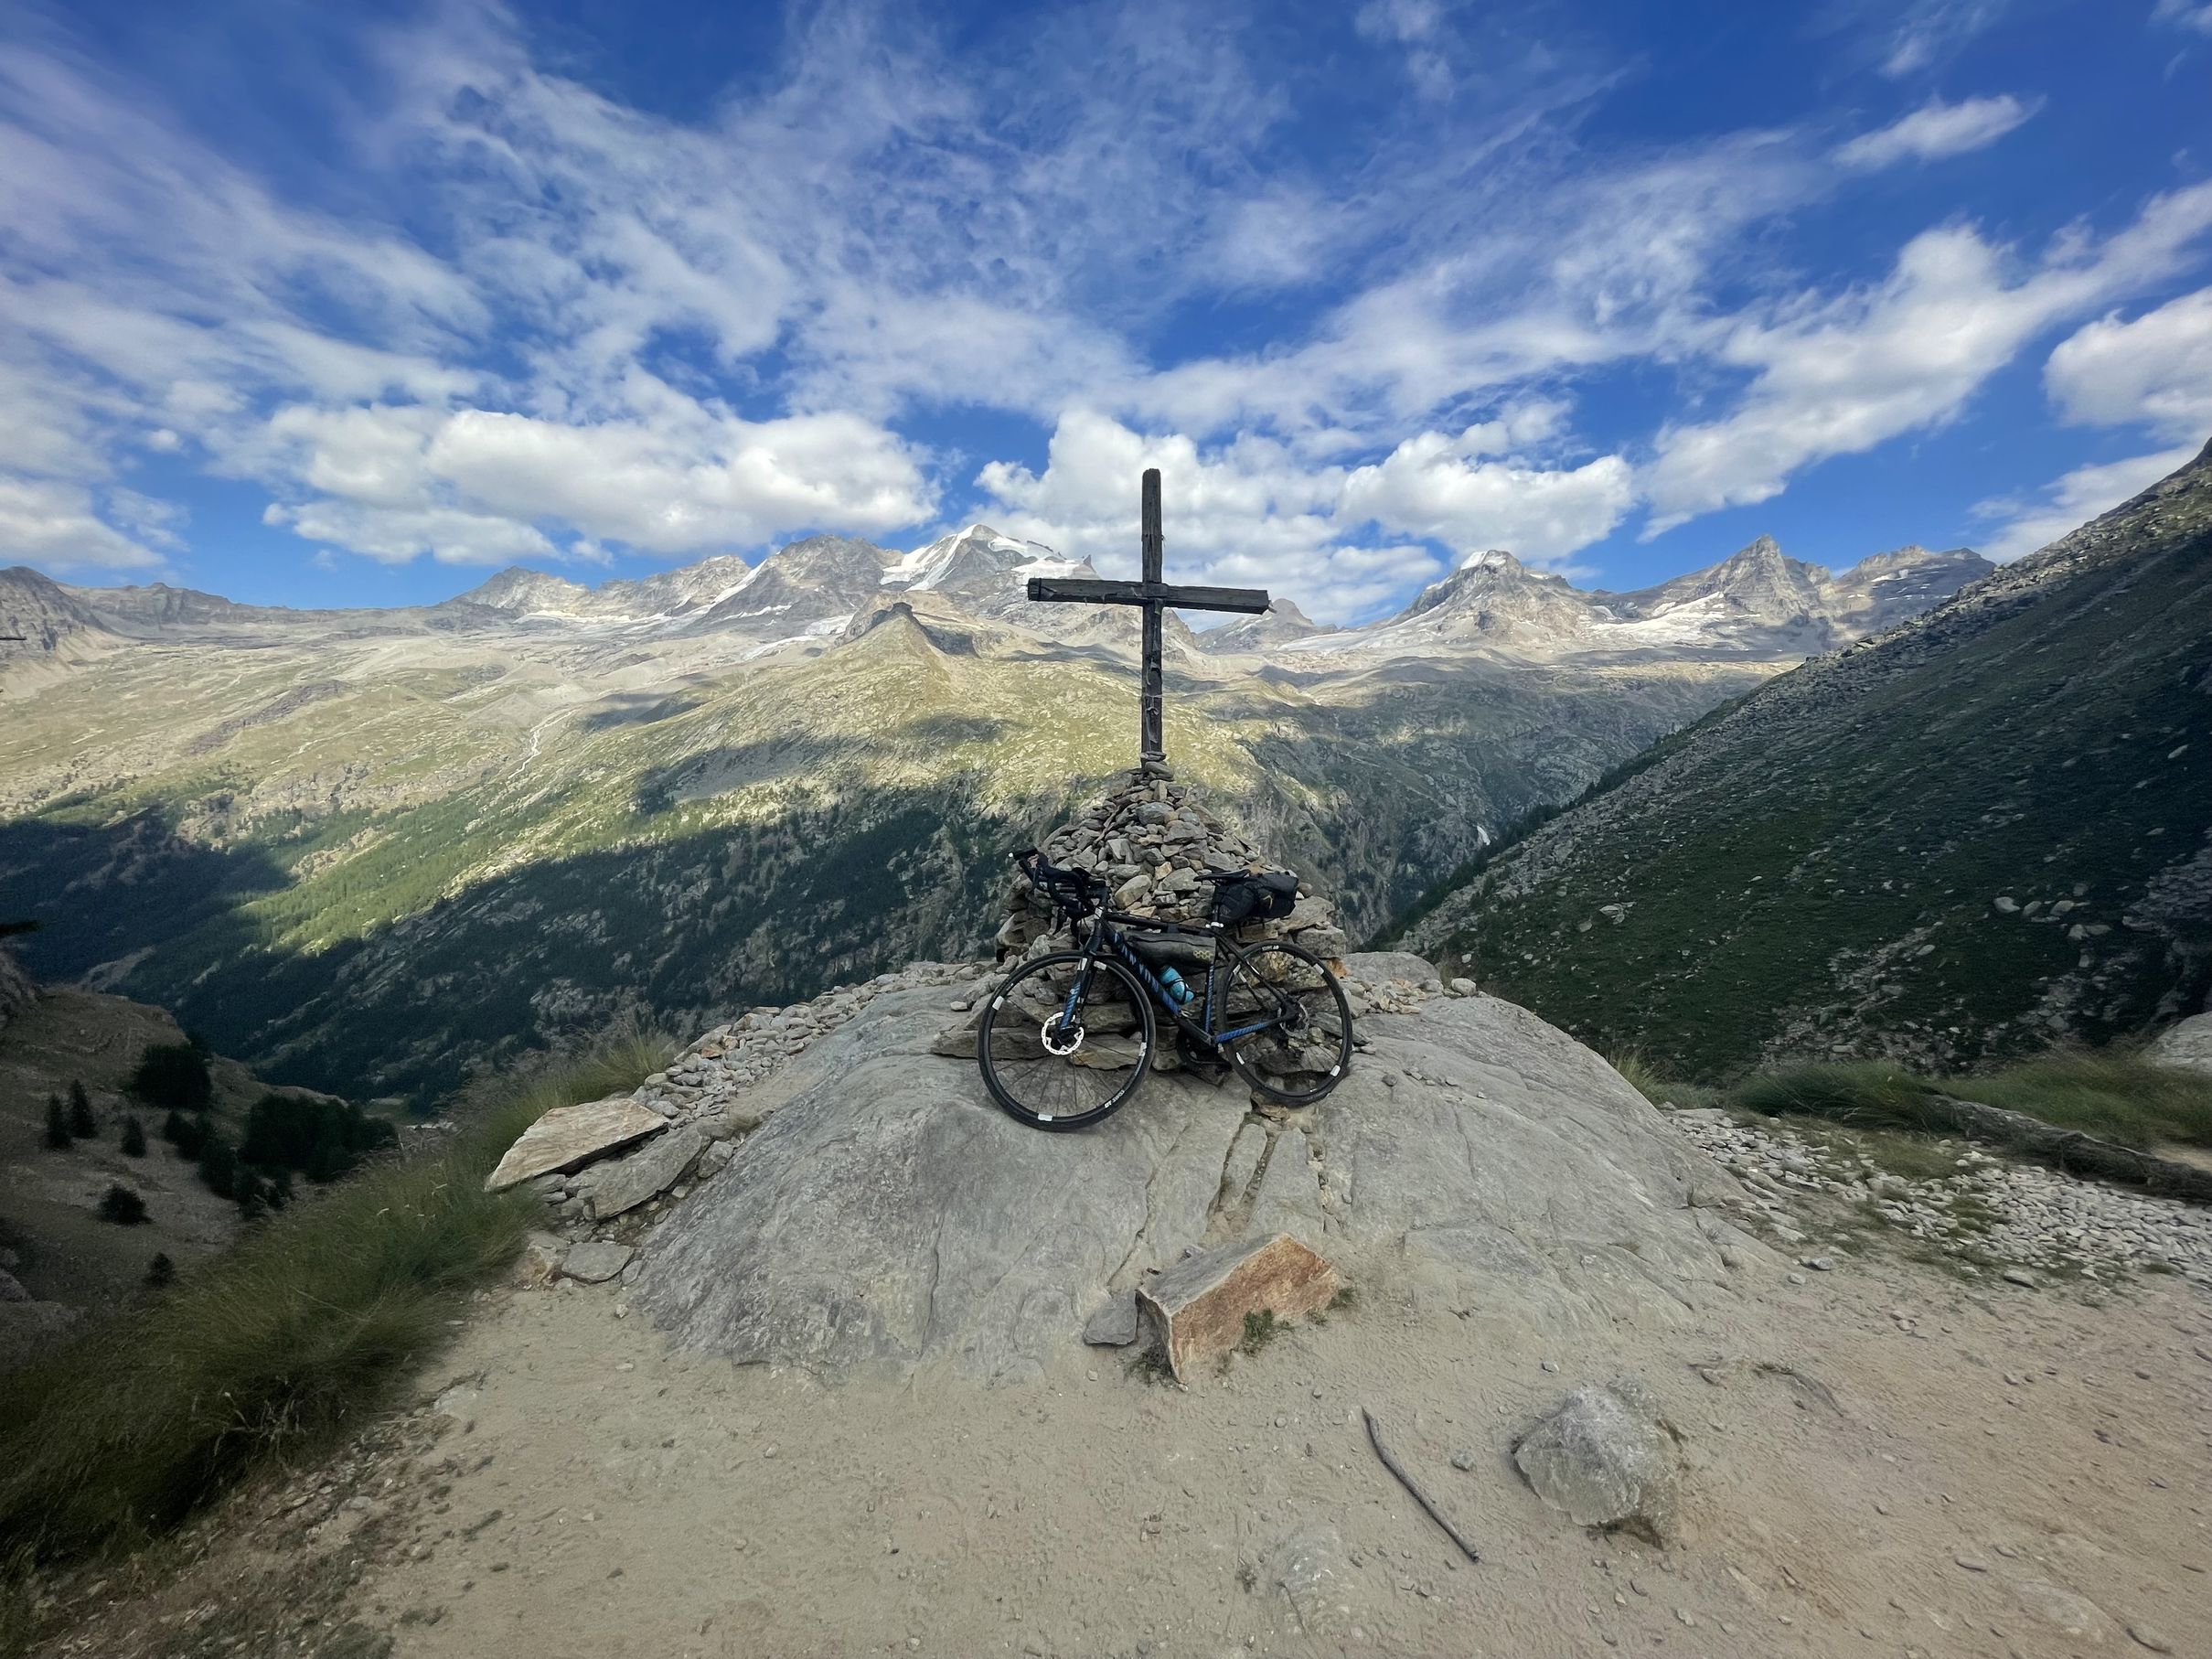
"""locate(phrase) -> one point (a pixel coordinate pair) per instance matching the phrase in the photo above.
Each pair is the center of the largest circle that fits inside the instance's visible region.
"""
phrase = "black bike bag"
(1266, 896)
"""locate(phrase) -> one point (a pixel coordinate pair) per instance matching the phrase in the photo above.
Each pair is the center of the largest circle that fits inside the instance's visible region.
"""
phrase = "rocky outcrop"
(886, 1214)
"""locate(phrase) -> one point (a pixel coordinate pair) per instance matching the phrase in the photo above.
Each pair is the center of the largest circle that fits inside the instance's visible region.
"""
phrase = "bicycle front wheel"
(1302, 1042)
(1066, 1041)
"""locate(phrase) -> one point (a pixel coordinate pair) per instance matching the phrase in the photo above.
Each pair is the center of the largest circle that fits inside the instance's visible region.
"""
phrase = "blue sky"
(321, 306)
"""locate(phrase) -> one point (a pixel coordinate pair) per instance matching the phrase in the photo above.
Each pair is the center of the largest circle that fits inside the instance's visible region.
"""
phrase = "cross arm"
(1075, 590)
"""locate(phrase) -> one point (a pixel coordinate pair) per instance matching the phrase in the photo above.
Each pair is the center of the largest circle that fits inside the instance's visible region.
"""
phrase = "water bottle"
(1178, 992)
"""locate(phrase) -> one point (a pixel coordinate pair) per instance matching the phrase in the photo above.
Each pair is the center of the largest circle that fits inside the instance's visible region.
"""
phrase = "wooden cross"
(1156, 595)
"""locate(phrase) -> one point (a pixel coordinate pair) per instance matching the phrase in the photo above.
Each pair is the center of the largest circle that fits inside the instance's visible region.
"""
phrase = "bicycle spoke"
(1106, 1052)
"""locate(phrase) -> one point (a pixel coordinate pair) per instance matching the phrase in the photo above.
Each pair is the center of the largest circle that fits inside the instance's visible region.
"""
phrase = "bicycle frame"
(1106, 938)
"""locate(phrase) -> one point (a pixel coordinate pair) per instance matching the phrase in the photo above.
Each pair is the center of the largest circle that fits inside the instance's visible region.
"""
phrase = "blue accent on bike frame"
(1159, 991)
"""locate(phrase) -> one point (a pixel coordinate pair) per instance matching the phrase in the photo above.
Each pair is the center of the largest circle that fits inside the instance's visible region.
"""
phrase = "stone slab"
(1115, 1323)
(569, 1136)
(1198, 1306)
(597, 1260)
(646, 1173)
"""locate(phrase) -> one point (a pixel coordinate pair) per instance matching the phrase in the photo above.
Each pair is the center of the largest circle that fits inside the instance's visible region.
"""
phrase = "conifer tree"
(57, 1136)
(161, 1271)
(134, 1138)
(122, 1206)
(82, 1124)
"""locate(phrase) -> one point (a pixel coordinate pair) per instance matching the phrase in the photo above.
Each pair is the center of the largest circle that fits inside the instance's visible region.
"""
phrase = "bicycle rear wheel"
(1052, 1071)
(1302, 1050)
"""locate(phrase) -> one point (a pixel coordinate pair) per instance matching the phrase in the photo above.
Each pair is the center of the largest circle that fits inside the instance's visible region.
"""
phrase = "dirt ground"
(1884, 1459)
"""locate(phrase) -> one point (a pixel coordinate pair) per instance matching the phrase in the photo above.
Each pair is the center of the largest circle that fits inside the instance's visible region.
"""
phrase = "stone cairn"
(1149, 839)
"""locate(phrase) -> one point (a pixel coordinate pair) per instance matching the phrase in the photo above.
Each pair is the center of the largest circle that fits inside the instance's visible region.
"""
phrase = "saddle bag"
(1266, 897)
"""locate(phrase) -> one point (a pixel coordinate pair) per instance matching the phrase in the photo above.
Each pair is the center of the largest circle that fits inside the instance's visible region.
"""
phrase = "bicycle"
(1069, 1037)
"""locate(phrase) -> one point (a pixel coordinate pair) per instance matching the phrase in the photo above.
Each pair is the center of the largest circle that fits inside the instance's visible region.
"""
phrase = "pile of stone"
(1986, 1209)
(1149, 839)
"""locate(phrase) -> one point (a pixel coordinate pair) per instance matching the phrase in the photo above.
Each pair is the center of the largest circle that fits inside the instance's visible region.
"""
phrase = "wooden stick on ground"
(1374, 1438)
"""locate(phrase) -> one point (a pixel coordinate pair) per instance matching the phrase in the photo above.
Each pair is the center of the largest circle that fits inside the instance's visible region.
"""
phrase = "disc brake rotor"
(1054, 1036)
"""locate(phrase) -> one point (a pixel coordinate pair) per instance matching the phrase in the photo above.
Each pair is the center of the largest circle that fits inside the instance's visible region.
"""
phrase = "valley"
(373, 851)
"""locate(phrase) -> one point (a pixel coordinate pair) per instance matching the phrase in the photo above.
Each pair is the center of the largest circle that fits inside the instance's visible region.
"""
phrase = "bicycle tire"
(1321, 998)
(1024, 1078)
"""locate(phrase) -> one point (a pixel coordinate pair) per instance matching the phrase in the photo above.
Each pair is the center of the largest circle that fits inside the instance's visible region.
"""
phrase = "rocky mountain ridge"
(1755, 601)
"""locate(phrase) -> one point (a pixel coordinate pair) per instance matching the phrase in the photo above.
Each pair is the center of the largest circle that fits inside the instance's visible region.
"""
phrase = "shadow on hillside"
(103, 892)
(673, 933)
(635, 709)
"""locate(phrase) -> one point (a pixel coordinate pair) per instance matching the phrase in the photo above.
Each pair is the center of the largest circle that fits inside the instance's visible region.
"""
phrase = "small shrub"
(82, 1124)
(1260, 1329)
(161, 1272)
(219, 1167)
(57, 1136)
(173, 1075)
(124, 1207)
(134, 1138)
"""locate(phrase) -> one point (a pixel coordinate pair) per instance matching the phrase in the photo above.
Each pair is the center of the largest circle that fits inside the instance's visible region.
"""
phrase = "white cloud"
(1431, 486)
(54, 526)
(2192, 15)
(549, 323)
(1254, 512)
(2073, 500)
(1838, 375)
(1935, 131)
(401, 477)
(396, 535)
(1249, 513)
(1928, 31)
(2156, 371)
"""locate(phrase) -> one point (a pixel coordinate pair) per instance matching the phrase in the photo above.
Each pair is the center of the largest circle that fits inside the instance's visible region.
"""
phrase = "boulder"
(1198, 1306)
(1607, 1457)
(646, 1173)
(569, 1136)
(2185, 1042)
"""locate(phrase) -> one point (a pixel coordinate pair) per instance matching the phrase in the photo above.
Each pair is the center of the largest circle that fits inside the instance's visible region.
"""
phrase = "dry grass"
(278, 1343)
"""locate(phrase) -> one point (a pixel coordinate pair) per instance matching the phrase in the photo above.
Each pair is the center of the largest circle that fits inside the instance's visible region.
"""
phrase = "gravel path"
(1989, 1213)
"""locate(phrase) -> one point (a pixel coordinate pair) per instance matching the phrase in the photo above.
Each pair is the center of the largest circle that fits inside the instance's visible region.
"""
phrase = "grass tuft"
(2114, 1097)
(278, 1343)
(1655, 1086)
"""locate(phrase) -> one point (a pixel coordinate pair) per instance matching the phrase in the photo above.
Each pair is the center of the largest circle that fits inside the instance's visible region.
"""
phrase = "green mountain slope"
(1982, 833)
